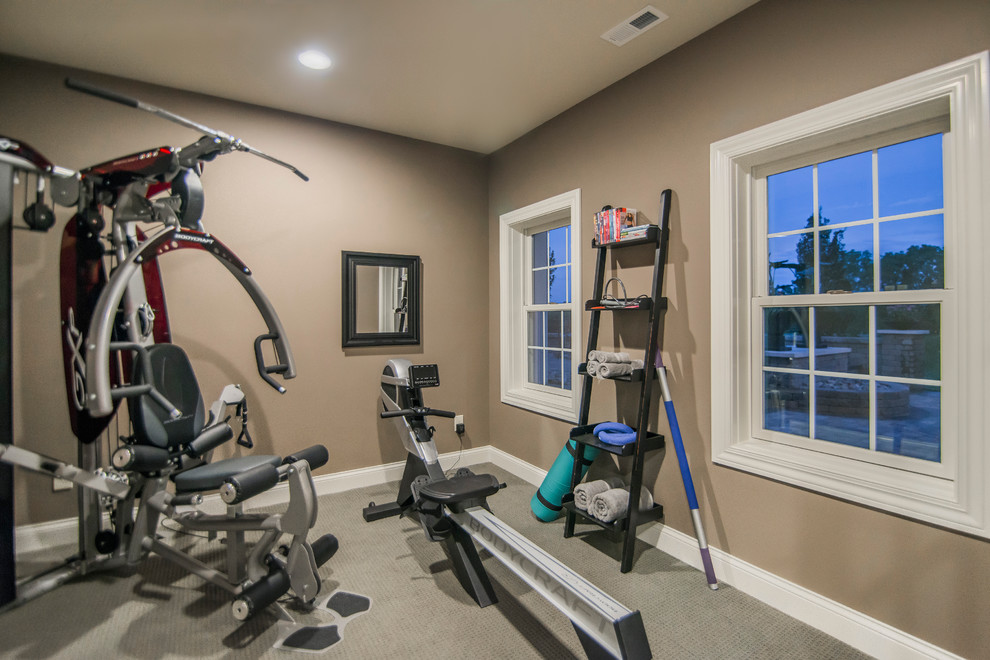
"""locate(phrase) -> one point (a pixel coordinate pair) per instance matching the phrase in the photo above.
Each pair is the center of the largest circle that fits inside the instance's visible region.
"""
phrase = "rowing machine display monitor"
(424, 375)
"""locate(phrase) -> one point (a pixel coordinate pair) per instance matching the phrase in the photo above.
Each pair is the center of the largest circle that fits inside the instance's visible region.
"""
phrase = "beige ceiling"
(474, 74)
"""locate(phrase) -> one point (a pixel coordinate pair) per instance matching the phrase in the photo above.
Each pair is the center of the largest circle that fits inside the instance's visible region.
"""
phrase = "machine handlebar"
(224, 143)
(418, 412)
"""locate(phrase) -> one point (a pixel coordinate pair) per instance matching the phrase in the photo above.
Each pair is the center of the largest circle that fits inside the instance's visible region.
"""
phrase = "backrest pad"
(173, 376)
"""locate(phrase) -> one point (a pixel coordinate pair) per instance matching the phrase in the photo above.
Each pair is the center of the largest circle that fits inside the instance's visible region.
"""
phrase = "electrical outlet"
(459, 424)
(60, 484)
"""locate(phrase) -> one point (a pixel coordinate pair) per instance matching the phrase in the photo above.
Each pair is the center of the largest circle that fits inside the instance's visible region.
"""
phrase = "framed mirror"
(381, 305)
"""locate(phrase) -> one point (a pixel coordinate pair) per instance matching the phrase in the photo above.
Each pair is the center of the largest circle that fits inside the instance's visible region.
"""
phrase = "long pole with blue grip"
(692, 497)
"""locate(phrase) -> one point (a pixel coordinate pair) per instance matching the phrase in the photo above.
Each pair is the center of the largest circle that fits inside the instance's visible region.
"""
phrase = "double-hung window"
(849, 298)
(850, 316)
(548, 309)
(540, 276)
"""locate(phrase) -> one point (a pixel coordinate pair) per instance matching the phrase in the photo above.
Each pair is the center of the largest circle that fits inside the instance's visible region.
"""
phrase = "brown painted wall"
(368, 192)
(653, 130)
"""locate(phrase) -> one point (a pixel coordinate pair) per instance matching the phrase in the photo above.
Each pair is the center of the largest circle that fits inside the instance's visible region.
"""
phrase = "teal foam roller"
(547, 498)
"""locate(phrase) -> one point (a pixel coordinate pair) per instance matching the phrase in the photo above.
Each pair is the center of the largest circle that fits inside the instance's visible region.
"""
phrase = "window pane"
(846, 259)
(785, 406)
(553, 329)
(909, 420)
(790, 200)
(843, 336)
(558, 284)
(536, 366)
(567, 370)
(791, 269)
(558, 246)
(845, 188)
(566, 329)
(535, 322)
(539, 287)
(842, 411)
(908, 341)
(554, 378)
(912, 254)
(910, 176)
(785, 337)
(540, 250)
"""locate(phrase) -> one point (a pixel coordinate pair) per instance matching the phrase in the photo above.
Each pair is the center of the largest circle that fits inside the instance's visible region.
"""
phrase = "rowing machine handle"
(418, 412)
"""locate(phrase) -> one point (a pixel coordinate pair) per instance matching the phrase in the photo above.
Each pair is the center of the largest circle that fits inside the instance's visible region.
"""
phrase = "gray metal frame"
(8, 572)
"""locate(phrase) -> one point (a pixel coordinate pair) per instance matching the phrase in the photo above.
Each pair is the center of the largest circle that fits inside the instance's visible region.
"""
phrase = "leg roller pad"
(324, 548)
(261, 594)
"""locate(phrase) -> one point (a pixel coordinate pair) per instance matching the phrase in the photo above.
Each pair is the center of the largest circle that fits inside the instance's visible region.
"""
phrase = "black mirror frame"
(349, 263)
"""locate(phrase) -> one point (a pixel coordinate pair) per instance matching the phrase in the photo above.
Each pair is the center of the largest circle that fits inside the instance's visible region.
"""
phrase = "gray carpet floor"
(418, 608)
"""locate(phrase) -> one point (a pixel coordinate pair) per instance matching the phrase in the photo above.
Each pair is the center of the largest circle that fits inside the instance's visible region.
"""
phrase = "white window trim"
(962, 503)
(513, 228)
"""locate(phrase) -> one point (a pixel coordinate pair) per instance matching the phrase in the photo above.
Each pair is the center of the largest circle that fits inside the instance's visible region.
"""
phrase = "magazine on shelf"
(614, 225)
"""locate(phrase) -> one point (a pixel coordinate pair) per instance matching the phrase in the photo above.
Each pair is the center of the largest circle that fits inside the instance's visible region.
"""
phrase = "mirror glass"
(381, 299)
(382, 303)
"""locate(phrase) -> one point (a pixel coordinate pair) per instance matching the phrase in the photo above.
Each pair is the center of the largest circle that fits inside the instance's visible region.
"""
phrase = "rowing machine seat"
(460, 488)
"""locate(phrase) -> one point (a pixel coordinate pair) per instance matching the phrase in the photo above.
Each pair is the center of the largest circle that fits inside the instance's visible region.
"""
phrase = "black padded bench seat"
(458, 489)
(212, 475)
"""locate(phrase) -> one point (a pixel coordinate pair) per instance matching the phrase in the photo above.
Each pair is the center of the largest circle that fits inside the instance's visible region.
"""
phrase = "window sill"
(559, 406)
(922, 497)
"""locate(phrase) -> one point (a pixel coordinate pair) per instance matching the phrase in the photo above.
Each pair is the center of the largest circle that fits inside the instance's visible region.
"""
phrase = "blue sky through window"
(845, 188)
(910, 176)
(549, 331)
(790, 200)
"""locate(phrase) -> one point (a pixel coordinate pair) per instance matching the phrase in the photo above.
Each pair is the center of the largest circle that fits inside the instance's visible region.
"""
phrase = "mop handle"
(682, 462)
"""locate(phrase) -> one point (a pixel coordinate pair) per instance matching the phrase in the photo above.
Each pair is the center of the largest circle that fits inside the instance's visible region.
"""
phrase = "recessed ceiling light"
(314, 59)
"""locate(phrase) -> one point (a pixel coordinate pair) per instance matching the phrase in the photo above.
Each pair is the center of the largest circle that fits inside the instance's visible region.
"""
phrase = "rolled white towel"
(584, 492)
(613, 369)
(605, 356)
(613, 504)
(592, 367)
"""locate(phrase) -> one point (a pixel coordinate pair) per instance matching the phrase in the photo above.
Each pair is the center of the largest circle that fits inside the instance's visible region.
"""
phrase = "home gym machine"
(455, 511)
(118, 347)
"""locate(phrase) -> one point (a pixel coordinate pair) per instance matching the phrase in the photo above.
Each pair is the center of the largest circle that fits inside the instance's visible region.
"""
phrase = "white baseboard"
(854, 628)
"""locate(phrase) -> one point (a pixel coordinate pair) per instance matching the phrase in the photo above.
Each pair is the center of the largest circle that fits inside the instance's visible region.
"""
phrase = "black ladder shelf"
(646, 441)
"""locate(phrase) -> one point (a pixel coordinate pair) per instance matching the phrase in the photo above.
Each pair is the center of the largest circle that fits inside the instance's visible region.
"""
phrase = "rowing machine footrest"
(324, 548)
(459, 489)
(317, 456)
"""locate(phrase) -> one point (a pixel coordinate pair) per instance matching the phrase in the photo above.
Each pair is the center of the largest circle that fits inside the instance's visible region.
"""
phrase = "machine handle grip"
(93, 90)
(210, 438)
(264, 369)
(418, 412)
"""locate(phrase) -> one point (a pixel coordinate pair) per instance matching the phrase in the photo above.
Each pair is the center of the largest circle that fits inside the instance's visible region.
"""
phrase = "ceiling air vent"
(635, 25)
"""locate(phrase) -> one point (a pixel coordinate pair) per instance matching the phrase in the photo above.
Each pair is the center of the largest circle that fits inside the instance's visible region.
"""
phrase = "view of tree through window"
(864, 375)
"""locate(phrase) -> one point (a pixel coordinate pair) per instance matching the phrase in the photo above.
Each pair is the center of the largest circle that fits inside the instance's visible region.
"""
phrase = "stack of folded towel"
(602, 364)
(608, 500)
